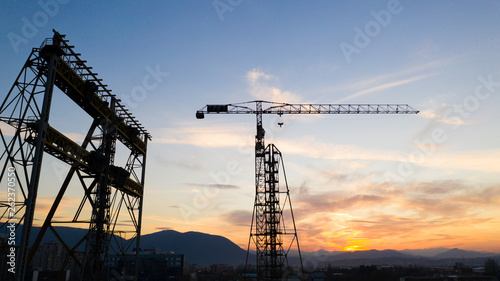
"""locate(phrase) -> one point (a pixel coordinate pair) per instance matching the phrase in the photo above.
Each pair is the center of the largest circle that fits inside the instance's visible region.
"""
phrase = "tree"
(491, 267)
(461, 268)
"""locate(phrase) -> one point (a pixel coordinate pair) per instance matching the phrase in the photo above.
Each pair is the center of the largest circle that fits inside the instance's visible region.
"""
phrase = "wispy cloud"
(161, 228)
(369, 82)
(487, 161)
(315, 148)
(335, 202)
(262, 87)
(389, 80)
(445, 113)
(241, 137)
(255, 76)
(184, 162)
(218, 186)
(431, 114)
(239, 217)
(206, 136)
(384, 86)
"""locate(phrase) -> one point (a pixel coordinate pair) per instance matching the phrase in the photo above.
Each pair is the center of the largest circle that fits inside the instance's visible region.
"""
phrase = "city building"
(154, 265)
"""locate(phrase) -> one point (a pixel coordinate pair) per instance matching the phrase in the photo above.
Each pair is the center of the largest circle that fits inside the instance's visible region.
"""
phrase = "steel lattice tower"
(111, 193)
(267, 228)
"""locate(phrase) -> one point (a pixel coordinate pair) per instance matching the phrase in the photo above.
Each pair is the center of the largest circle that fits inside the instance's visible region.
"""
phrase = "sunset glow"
(347, 241)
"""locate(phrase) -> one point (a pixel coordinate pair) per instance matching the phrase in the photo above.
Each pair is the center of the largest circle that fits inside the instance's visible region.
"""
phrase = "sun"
(348, 240)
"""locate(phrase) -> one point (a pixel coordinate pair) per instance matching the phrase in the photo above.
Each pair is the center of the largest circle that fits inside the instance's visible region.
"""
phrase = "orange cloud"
(398, 216)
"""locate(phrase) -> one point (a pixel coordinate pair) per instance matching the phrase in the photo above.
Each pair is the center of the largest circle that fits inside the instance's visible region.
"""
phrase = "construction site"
(112, 192)
(249, 141)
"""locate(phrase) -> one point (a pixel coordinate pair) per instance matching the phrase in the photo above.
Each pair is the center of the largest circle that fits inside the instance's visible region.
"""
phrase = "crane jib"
(286, 108)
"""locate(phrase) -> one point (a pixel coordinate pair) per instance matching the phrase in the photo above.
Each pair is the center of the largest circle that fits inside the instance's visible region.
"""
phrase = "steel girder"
(112, 200)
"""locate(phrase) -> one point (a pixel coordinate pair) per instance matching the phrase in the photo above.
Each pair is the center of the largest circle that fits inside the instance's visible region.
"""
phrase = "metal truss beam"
(66, 150)
(80, 84)
(286, 108)
(111, 194)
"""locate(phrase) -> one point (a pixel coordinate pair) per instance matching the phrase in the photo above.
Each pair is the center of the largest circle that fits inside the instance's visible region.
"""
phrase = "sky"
(356, 182)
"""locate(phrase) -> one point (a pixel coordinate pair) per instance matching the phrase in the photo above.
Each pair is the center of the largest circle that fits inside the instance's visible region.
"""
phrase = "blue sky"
(357, 182)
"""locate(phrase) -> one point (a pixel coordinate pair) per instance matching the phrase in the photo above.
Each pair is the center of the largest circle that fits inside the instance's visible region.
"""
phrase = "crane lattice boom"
(287, 108)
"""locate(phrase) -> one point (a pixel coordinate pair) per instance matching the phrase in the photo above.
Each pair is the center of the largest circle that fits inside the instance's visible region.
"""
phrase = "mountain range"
(198, 248)
(205, 249)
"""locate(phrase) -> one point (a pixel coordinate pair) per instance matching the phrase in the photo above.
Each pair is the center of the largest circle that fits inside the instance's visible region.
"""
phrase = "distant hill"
(318, 254)
(357, 258)
(370, 254)
(206, 249)
(462, 254)
(428, 252)
(392, 257)
(70, 235)
(198, 248)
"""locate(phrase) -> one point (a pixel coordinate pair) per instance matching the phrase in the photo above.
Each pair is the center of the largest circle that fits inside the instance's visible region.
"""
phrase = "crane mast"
(267, 212)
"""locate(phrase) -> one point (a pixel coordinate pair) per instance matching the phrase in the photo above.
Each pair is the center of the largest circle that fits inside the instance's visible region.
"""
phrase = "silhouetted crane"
(267, 213)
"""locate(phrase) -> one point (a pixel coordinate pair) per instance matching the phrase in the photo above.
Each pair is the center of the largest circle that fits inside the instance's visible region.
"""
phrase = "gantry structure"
(110, 210)
(267, 228)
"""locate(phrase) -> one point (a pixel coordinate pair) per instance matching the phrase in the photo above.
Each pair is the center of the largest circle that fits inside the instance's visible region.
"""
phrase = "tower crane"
(267, 213)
